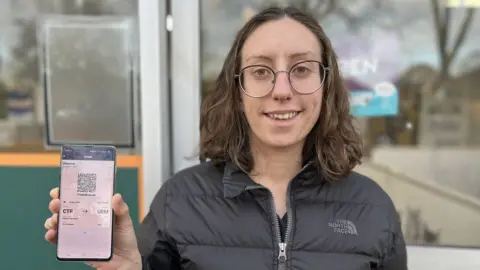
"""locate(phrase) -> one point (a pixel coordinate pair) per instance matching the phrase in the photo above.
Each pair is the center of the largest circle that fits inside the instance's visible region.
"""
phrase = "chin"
(281, 141)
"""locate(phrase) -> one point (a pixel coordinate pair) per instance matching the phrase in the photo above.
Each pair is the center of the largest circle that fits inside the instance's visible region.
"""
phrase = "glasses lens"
(307, 77)
(257, 81)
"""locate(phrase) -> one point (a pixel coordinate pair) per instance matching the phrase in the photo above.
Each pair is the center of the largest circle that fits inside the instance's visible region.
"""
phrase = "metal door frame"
(154, 100)
(186, 83)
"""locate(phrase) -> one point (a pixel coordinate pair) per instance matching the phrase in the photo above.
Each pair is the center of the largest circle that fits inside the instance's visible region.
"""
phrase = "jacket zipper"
(282, 246)
(282, 251)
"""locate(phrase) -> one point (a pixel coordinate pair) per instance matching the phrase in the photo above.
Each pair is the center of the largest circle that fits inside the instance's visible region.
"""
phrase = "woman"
(278, 191)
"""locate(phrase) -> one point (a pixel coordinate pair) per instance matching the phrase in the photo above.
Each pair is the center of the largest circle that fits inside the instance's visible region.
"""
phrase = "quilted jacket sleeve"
(158, 251)
(396, 257)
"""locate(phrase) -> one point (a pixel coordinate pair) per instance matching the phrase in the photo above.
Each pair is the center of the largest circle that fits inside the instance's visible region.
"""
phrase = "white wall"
(422, 258)
(454, 215)
(454, 167)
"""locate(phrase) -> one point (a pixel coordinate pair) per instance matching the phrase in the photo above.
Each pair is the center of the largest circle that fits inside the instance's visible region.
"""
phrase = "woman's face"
(283, 117)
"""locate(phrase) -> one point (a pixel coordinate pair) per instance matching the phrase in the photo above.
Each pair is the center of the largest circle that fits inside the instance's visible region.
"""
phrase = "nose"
(282, 89)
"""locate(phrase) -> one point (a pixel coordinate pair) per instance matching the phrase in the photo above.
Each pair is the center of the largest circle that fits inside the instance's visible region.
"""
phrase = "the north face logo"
(343, 226)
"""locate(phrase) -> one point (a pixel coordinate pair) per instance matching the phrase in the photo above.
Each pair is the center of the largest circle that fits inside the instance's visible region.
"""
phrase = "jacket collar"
(235, 181)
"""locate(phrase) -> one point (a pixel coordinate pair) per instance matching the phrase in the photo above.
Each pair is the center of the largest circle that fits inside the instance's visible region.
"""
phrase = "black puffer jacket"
(210, 219)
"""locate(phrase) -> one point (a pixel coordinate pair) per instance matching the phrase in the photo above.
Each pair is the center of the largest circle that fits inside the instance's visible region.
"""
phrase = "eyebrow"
(268, 58)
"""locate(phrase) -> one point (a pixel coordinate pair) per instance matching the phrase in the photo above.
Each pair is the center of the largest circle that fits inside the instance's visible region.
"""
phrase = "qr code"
(86, 183)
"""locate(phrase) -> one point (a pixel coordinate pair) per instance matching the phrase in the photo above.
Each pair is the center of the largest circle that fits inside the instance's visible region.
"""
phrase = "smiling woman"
(273, 64)
(276, 123)
(262, 54)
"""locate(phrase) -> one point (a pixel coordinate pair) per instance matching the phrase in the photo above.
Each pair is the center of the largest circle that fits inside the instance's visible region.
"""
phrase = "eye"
(301, 70)
(261, 72)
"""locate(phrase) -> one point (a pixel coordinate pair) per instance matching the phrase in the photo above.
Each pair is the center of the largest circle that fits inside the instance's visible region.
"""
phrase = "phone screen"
(87, 180)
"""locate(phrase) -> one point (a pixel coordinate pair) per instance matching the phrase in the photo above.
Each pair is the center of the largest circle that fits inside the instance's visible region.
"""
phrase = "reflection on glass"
(87, 72)
(22, 116)
(425, 155)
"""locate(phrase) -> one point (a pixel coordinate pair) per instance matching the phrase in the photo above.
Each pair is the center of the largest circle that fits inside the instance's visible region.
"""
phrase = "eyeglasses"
(305, 77)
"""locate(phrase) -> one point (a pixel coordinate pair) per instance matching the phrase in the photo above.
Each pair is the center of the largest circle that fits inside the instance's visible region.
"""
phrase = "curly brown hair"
(333, 144)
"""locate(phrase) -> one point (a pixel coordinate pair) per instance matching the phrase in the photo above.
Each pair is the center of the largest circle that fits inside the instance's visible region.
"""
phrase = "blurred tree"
(438, 94)
(470, 62)
(403, 128)
(355, 15)
(419, 85)
(448, 47)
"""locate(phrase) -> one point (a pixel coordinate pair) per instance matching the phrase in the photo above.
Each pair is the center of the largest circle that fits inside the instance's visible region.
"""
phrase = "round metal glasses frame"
(275, 74)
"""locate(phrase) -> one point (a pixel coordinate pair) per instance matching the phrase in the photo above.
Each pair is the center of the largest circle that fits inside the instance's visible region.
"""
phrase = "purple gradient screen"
(85, 219)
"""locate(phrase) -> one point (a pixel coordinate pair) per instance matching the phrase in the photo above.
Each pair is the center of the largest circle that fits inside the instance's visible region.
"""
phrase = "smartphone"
(85, 219)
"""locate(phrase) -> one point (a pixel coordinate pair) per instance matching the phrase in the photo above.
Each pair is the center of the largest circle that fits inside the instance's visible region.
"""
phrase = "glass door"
(435, 128)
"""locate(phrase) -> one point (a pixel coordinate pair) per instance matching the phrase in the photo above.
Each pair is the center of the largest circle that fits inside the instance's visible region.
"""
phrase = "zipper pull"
(282, 254)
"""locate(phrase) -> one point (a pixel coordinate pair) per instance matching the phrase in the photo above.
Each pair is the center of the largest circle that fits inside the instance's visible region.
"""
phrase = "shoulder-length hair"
(333, 144)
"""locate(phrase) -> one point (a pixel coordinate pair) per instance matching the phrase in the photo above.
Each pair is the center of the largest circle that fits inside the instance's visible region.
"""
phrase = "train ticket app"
(85, 218)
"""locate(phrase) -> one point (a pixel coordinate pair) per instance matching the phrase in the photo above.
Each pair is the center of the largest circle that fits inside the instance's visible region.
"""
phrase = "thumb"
(122, 214)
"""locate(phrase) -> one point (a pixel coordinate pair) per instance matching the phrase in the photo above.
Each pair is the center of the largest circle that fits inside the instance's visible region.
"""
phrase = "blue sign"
(382, 100)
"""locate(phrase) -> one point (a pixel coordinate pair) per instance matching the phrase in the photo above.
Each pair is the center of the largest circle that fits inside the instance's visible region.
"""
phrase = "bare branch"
(439, 25)
(378, 11)
(347, 16)
(445, 34)
(467, 21)
(321, 9)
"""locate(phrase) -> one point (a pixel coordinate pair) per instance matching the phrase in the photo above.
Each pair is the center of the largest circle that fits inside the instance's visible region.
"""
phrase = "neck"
(274, 166)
